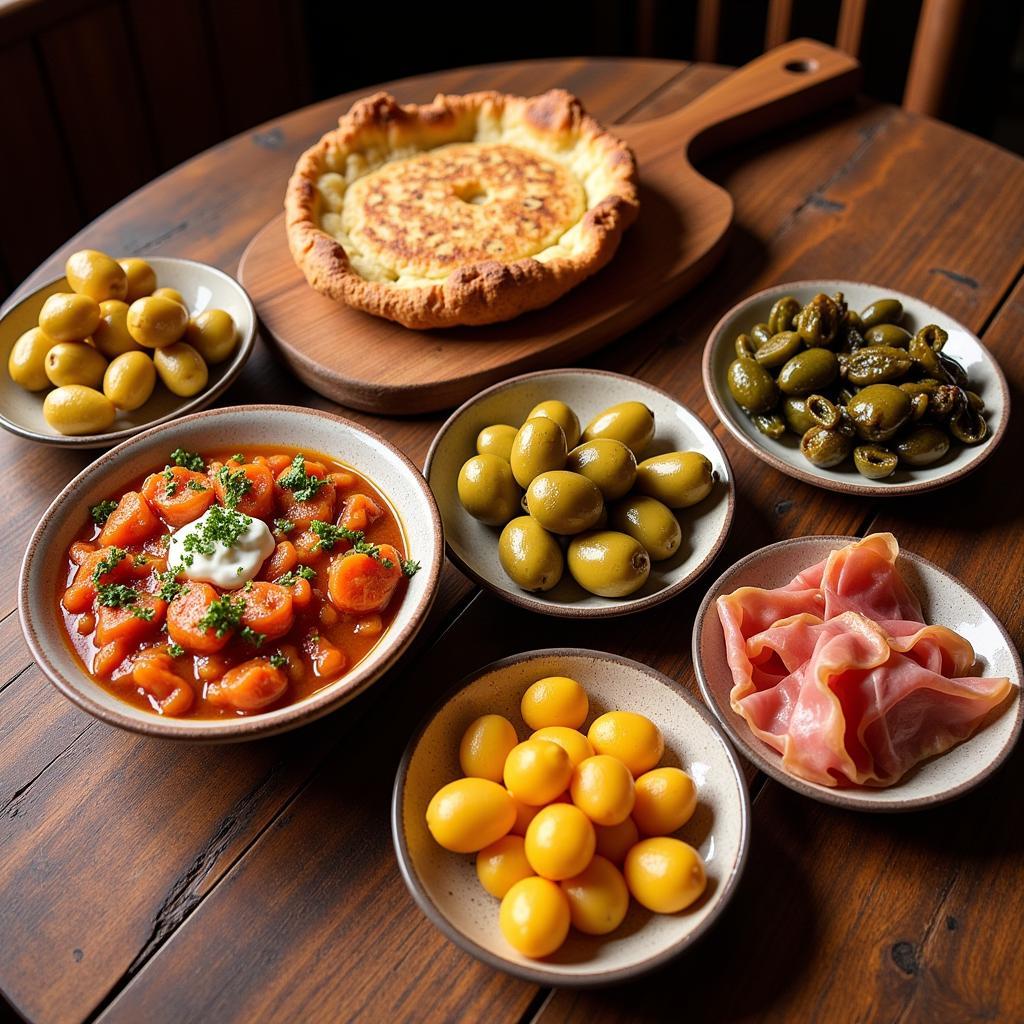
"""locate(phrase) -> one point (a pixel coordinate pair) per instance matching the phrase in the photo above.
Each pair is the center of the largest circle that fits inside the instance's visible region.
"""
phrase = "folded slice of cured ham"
(840, 674)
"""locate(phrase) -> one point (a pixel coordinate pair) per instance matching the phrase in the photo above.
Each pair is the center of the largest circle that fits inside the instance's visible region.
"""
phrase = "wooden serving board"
(373, 364)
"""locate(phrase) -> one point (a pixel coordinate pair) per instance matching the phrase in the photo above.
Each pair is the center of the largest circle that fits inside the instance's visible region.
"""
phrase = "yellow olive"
(487, 489)
(609, 463)
(76, 409)
(212, 334)
(530, 556)
(74, 362)
(94, 273)
(564, 502)
(67, 316)
(678, 479)
(129, 380)
(27, 362)
(111, 337)
(181, 368)
(496, 439)
(650, 522)
(632, 423)
(562, 415)
(538, 448)
(608, 563)
(155, 322)
(141, 278)
(171, 293)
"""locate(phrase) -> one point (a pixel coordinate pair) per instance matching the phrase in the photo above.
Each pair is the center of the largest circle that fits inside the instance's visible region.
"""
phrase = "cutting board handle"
(779, 87)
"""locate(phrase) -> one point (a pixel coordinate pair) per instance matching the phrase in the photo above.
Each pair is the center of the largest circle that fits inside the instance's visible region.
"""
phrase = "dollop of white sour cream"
(228, 566)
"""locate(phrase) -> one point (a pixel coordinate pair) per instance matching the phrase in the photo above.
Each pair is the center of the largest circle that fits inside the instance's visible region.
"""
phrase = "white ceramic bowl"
(473, 546)
(202, 287)
(396, 478)
(445, 885)
(986, 378)
(945, 601)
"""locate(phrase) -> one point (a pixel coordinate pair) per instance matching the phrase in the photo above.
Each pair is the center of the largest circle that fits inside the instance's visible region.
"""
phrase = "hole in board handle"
(801, 67)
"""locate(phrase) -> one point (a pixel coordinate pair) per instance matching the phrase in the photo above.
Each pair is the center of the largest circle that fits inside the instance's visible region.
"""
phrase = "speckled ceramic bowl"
(473, 546)
(945, 601)
(445, 885)
(202, 287)
(396, 478)
(986, 378)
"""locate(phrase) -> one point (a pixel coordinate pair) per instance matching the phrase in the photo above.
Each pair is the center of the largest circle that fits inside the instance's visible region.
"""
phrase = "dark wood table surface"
(150, 881)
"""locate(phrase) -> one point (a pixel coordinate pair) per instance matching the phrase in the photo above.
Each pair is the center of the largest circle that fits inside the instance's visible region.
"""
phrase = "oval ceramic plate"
(945, 601)
(986, 378)
(473, 546)
(396, 478)
(445, 885)
(202, 287)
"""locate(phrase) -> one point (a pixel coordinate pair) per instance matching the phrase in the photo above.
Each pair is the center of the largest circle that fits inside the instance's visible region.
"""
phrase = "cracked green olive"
(496, 439)
(968, 426)
(874, 461)
(922, 446)
(609, 463)
(539, 447)
(530, 556)
(879, 411)
(751, 385)
(783, 314)
(891, 335)
(779, 348)
(745, 347)
(760, 333)
(823, 412)
(882, 311)
(608, 563)
(825, 448)
(877, 364)
(818, 321)
(632, 423)
(564, 502)
(677, 479)
(650, 522)
(807, 372)
(562, 415)
(487, 490)
(771, 424)
(798, 419)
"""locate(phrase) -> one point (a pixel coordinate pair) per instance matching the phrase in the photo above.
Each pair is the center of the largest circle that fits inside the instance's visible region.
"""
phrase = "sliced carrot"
(251, 686)
(125, 624)
(132, 522)
(180, 495)
(360, 512)
(327, 659)
(268, 609)
(212, 666)
(109, 657)
(370, 625)
(341, 479)
(145, 564)
(282, 560)
(319, 506)
(153, 672)
(278, 464)
(360, 583)
(80, 551)
(183, 617)
(80, 595)
(302, 593)
(258, 500)
(307, 547)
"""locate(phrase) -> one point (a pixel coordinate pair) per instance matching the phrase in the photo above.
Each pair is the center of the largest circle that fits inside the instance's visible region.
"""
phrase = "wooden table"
(149, 881)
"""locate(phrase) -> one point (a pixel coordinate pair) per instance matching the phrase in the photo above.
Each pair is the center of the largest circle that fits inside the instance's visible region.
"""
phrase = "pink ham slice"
(838, 672)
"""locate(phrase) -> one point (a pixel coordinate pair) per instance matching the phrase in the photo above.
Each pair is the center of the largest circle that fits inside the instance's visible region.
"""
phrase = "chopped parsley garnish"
(175, 650)
(146, 614)
(237, 457)
(101, 512)
(362, 547)
(116, 595)
(409, 567)
(329, 534)
(108, 563)
(284, 525)
(223, 615)
(171, 485)
(298, 481)
(140, 560)
(250, 636)
(170, 588)
(235, 483)
(221, 526)
(278, 660)
(188, 460)
(290, 578)
(195, 485)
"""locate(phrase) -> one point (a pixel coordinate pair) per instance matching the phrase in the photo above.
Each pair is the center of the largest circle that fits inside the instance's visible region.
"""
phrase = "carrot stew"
(233, 583)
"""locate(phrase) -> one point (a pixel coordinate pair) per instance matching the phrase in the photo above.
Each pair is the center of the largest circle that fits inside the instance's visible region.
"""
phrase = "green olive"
(77, 410)
(156, 322)
(922, 446)
(530, 556)
(818, 322)
(94, 273)
(67, 316)
(562, 415)
(129, 380)
(496, 439)
(874, 461)
(27, 361)
(745, 347)
(677, 479)
(808, 372)
(632, 423)
(752, 386)
(111, 336)
(650, 522)
(968, 426)
(882, 311)
(211, 333)
(760, 333)
(539, 447)
(877, 364)
(798, 419)
(891, 335)
(487, 490)
(771, 424)
(608, 563)
(181, 369)
(609, 463)
(824, 447)
(564, 502)
(141, 278)
(779, 348)
(74, 362)
(823, 412)
(879, 411)
(783, 314)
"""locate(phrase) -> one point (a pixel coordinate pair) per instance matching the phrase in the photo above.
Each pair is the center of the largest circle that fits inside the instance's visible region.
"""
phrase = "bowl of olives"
(580, 493)
(116, 346)
(855, 388)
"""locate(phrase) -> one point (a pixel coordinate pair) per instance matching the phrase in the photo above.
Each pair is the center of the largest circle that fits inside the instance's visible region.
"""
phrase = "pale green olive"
(650, 522)
(156, 322)
(632, 423)
(530, 556)
(74, 362)
(67, 316)
(487, 489)
(562, 415)
(94, 273)
(27, 361)
(539, 447)
(213, 335)
(496, 439)
(141, 278)
(609, 463)
(181, 368)
(678, 479)
(608, 563)
(111, 336)
(564, 502)
(129, 380)
(77, 410)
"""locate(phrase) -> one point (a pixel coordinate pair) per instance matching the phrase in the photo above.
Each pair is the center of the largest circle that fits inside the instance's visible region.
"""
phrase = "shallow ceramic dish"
(986, 378)
(473, 546)
(395, 477)
(945, 601)
(445, 885)
(202, 287)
